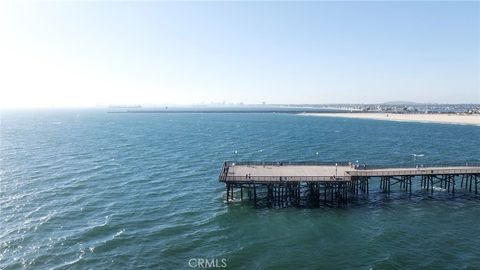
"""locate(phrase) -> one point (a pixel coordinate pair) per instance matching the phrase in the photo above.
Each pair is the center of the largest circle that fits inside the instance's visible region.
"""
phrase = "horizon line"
(219, 104)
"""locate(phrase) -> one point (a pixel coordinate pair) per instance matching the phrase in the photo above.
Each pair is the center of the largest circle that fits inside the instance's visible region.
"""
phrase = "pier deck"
(287, 172)
(291, 183)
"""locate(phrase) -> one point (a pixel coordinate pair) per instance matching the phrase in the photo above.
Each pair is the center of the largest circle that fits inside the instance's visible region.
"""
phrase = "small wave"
(119, 233)
(72, 262)
(108, 242)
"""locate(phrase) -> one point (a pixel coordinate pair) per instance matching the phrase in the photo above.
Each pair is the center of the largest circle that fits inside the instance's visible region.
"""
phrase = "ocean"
(87, 189)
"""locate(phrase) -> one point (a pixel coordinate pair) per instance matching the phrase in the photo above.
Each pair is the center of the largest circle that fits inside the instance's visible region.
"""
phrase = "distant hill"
(399, 103)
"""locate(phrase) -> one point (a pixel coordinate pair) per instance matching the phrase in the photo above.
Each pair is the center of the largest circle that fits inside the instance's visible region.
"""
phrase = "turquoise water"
(91, 190)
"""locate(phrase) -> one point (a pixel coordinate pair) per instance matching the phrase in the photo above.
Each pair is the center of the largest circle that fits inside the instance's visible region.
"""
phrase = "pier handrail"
(413, 171)
(435, 165)
(289, 163)
(343, 163)
(285, 178)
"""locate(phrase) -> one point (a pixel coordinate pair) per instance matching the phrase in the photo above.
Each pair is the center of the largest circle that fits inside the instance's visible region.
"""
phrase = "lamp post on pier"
(234, 161)
(415, 158)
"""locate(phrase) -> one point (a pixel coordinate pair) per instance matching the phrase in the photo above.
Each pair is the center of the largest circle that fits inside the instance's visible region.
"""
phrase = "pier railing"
(417, 171)
(358, 166)
(238, 178)
(420, 166)
(289, 163)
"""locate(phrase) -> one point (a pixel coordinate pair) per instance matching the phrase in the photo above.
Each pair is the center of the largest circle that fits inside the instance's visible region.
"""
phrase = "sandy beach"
(458, 119)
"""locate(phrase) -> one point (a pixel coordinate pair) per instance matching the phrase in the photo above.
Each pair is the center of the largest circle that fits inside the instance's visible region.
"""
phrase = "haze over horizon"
(83, 54)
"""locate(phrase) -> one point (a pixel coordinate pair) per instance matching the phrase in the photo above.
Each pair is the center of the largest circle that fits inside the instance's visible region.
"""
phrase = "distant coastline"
(391, 107)
(226, 109)
(457, 119)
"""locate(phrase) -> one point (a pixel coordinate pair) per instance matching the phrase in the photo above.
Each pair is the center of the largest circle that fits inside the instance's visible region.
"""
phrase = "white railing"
(418, 171)
(283, 178)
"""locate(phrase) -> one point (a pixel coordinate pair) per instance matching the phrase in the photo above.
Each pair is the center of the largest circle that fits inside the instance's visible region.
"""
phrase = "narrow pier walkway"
(297, 183)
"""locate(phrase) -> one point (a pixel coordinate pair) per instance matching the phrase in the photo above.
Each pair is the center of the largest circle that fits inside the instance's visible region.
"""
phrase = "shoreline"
(452, 119)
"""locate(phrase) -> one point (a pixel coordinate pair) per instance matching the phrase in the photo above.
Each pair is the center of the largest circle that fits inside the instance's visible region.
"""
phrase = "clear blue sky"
(87, 53)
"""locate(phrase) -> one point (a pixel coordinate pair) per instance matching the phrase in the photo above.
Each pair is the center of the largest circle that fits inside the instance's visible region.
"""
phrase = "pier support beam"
(254, 194)
(476, 183)
(228, 191)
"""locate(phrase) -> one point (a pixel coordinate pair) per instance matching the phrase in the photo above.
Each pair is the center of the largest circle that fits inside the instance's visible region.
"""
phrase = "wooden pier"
(313, 184)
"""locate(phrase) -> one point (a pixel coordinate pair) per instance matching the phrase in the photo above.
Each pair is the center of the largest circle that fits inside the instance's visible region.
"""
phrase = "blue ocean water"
(86, 189)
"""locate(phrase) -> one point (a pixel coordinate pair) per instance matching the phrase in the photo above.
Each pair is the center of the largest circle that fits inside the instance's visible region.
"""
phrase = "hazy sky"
(88, 53)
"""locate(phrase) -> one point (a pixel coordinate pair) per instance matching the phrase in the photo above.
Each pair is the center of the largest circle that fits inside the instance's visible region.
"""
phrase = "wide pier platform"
(313, 183)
